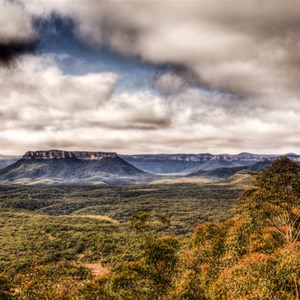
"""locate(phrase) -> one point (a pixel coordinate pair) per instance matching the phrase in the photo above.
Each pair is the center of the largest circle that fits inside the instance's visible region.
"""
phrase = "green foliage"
(252, 255)
(152, 276)
(160, 257)
(96, 290)
(185, 205)
(250, 278)
(143, 221)
(49, 233)
(275, 199)
(287, 276)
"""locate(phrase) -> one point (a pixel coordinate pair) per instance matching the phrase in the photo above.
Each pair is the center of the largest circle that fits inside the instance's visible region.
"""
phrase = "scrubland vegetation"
(143, 242)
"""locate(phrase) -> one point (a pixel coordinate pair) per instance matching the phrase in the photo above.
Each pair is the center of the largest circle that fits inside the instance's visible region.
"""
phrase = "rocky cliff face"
(171, 157)
(59, 154)
(204, 157)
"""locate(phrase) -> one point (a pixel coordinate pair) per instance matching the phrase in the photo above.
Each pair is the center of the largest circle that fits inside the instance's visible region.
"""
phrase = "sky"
(218, 76)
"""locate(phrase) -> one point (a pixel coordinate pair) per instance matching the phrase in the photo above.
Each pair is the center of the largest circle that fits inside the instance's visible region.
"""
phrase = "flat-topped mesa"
(60, 154)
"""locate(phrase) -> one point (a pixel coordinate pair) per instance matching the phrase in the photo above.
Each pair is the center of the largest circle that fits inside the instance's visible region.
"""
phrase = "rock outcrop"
(76, 167)
(60, 154)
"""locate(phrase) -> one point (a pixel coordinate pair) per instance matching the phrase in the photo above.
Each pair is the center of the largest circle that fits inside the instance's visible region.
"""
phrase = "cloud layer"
(249, 48)
(43, 108)
(232, 85)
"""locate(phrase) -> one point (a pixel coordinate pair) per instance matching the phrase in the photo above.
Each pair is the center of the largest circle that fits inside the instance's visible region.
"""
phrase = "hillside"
(57, 166)
(241, 179)
(227, 172)
(221, 163)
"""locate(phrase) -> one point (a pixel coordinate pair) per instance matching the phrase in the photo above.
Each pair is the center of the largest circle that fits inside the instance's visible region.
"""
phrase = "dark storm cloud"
(17, 35)
(9, 52)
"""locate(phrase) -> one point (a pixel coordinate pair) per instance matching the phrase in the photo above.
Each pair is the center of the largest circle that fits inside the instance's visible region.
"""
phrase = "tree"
(152, 276)
(274, 200)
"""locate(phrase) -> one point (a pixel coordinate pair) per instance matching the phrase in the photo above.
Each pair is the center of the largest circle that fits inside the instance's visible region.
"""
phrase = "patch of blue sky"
(75, 58)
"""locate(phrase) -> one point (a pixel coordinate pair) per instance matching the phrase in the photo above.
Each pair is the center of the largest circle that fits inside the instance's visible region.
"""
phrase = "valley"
(92, 226)
(51, 235)
(184, 206)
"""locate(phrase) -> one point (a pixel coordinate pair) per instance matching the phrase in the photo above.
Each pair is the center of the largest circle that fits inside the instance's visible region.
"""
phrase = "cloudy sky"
(150, 76)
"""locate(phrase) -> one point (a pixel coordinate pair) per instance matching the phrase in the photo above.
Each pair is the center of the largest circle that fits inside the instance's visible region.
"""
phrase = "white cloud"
(248, 49)
(15, 23)
(42, 108)
(36, 92)
(170, 83)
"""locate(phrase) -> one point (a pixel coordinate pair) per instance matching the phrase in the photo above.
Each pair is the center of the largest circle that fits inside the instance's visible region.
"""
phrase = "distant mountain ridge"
(6, 160)
(176, 163)
(61, 154)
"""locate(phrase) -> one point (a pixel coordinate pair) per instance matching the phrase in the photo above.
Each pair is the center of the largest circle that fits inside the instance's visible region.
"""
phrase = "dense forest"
(253, 253)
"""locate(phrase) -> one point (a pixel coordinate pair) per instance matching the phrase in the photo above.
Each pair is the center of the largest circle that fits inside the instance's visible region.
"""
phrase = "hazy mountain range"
(6, 160)
(177, 163)
(83, 167)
